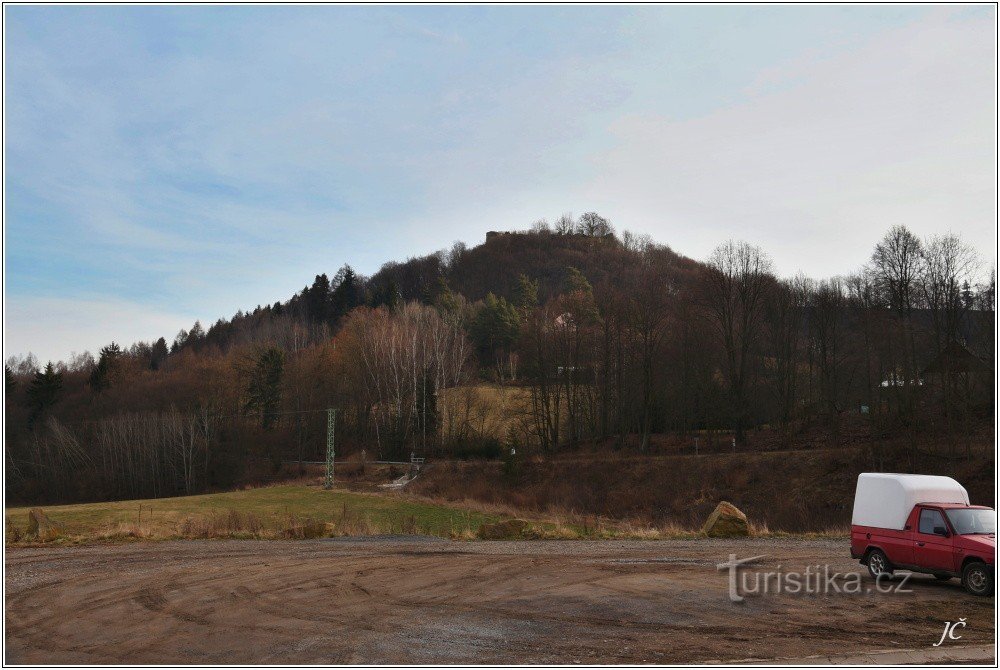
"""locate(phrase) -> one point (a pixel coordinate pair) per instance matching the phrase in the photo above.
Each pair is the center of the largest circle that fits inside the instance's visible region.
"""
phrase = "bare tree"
(736, 281)
(593, 224)
(785, 311)
(828, 306)
(565, 225)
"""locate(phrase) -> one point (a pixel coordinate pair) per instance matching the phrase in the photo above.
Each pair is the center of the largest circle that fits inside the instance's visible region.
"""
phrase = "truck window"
(929, 518)
(973, 521)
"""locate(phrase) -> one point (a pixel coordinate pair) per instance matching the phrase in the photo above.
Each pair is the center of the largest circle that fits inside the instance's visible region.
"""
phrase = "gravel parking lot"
(419, 600)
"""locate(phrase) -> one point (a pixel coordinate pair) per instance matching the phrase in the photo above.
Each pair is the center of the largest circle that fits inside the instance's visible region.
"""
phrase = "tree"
(593, 224)
(318, 299)
(196, 334)
(525, 293)
(785, 308)
(826, 334)
(947, 263)
(44, 391)
(737, 277)
(565, 225)
(494, 329)
(573, 336)
(179, 341)
(158, 354)
(100, 376)
(445, 299)
(647, 318)
(387, 295)
(896, 263)
(347, 295)
(263, 391)
(897, 260)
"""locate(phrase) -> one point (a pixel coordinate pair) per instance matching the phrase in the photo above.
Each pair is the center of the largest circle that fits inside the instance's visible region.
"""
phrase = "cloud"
(53, 328)
(196, 160)
(899, 130)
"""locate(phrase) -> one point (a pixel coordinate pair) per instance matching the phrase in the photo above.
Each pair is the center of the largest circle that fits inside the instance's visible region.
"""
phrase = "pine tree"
(318, 299)
(445, 300)
(347, 295)
(100, 376)
(44, 391)
(179, 341)
(263, 392)
(526, 293)
(158, 354)
(495, 327)
(196, 334)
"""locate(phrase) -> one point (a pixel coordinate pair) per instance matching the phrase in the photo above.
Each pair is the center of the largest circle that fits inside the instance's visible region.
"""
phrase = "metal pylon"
(331, 422)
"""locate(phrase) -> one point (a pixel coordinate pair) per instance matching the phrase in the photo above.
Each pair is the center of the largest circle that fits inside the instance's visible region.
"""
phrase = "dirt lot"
(419, 600)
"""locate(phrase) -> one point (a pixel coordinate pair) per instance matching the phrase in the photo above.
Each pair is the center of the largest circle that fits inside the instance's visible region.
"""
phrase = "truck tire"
(977, 578)
(878, 564)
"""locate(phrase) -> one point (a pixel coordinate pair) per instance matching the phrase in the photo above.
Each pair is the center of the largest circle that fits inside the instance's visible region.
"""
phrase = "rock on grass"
(726, 521)
(40, 527)
(509, 529)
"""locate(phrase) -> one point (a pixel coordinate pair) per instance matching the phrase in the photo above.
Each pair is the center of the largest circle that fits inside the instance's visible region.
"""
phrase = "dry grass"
(272, 512)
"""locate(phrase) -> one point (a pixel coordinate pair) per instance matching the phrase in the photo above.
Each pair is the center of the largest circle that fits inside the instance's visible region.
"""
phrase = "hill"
(603, 341)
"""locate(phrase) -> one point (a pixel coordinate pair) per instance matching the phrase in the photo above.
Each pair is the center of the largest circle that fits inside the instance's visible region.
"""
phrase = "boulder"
(307, 530)
(509, 529)
(40, 527)
(726, 521)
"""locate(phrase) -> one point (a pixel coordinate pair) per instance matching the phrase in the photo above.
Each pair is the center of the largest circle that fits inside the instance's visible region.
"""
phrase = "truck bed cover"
(885, 500)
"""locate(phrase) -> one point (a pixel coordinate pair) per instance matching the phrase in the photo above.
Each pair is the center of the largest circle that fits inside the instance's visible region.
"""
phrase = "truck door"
(930, 550)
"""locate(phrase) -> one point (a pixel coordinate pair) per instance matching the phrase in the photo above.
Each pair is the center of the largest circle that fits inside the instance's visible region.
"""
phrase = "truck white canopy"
(885, 500)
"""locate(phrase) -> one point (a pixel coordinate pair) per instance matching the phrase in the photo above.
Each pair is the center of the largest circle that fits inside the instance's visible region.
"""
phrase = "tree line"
(603, 339)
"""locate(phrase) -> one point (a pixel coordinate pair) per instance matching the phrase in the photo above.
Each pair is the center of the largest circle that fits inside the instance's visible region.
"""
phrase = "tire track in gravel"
(404, 602)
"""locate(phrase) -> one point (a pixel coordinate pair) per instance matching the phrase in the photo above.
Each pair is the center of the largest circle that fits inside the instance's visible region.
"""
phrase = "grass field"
(291, 510)
(296, 511)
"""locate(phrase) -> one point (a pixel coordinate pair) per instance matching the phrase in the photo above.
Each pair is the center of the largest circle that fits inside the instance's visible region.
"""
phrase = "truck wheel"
(878, 564)
(977, 578)
(941, 577)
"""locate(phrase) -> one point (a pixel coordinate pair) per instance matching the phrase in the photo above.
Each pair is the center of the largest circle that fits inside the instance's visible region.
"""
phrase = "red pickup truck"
(941, 533)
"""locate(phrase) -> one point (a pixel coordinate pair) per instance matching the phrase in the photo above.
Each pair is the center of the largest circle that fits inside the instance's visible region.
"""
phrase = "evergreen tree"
(495, 327)
(179, 341)
(44, 391)
(196, 334)
(347, 295)
(158, 354)
(318, 299)
(388, 295)
(445, 300)
(100, 376)
(968, 297)
(263, 392)
(525, 293)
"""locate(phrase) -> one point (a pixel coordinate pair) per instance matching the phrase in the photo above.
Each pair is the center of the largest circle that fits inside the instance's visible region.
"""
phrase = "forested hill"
(607, 338)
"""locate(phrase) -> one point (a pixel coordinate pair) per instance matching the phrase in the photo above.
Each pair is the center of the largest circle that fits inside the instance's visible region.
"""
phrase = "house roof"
(956, 359)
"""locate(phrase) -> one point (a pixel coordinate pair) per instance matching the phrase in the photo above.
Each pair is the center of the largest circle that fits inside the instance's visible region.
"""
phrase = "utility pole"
(331, 422)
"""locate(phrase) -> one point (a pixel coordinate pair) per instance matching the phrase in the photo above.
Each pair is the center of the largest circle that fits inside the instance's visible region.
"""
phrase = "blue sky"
(167, 164)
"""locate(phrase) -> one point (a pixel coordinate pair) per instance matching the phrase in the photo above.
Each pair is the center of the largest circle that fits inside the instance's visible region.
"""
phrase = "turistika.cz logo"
(814, 580)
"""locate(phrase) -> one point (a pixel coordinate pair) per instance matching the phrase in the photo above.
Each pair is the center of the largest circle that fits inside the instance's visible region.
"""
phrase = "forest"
(607, 339)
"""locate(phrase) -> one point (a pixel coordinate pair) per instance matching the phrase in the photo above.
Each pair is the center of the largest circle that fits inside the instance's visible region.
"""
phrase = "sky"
(168, 164)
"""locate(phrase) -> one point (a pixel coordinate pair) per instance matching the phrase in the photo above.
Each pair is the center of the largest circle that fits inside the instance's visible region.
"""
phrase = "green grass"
(258, 512)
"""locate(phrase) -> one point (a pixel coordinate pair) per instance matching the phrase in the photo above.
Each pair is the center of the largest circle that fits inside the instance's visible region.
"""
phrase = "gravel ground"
(426, 600)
